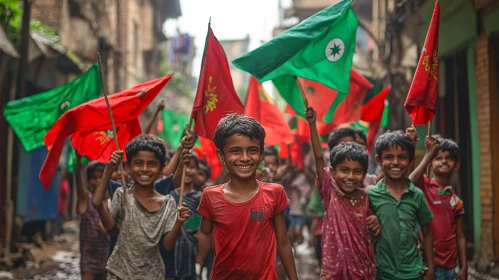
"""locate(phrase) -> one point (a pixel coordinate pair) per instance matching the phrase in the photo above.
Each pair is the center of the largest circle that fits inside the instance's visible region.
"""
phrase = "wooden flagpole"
(182, 181)
(303, 95)
(104, 91)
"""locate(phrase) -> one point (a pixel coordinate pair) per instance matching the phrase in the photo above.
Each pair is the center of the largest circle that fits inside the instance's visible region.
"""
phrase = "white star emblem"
(334, 49)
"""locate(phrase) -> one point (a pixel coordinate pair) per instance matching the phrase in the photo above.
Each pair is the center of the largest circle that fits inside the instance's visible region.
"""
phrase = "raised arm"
(431, 149)
(106, 217)
(81, 193)
(160, 107)
(316, 146)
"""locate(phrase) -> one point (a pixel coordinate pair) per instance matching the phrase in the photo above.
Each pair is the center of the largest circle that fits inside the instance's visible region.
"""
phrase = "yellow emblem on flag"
(103, 138)
(210, 97)
(431, 65)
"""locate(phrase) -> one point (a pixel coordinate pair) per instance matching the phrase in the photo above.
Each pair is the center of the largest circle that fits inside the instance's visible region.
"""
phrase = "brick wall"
(484, 119)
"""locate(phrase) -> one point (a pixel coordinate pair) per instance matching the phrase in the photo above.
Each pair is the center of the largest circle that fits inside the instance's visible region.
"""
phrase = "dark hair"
(206, 170)
(447, 145)
(238, 124)
(269, 151)
(146, 142)
(349, 151)
(336, 135)
(395, 139)
(195, 157)
(94, 166)
(170, 154)
(361, 134)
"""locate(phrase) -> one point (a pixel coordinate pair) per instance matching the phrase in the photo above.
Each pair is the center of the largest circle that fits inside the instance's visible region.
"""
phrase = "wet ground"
(64, 264)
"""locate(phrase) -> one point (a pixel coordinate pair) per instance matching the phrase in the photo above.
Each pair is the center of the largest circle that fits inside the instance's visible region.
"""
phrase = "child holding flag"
(347, 248)
(447, 228)
(146, 214)
(245, 215)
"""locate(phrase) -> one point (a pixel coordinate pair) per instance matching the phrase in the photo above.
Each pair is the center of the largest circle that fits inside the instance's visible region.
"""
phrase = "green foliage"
(11, 15)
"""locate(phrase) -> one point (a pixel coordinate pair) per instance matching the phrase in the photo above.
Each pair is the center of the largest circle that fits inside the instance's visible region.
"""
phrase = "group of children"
(368, 226)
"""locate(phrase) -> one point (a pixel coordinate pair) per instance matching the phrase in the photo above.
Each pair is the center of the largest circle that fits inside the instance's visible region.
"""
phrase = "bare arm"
(461, 249)
(81, 193)
(160, 107)
(316, 146)
(204, 240)
(431, 148)
(428, 250)
(284, 247)
(171, 236)
(106, 217)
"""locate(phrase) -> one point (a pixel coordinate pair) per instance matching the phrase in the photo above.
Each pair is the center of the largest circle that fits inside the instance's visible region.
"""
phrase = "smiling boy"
(402, 212)
(145, 215)
(246, 216)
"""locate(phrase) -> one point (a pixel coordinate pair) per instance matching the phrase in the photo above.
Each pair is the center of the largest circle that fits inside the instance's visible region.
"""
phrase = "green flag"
(31, 117)
(173, 127)
(320, 49)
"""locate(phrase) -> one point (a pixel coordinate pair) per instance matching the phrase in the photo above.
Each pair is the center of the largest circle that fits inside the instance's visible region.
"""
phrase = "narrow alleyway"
(64, 263)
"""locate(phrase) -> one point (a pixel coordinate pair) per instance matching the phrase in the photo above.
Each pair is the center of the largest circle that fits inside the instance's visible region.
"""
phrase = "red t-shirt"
(63, 193)
(446, 207)
(243, 233)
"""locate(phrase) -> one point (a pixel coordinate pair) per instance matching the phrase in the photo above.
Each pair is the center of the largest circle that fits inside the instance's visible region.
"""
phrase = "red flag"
(422, 97)
(210, 154)
(215, 96)
(99, 145)
(350, 109)
(296, 152)
(372, 112)
(262, 108)
(93, 116)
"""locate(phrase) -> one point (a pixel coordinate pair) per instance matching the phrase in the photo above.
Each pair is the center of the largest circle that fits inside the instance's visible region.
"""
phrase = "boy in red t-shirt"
(447, 226)
(246, 216)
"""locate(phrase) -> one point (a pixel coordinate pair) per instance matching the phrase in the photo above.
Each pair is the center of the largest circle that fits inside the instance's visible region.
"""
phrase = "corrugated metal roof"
(5, 45)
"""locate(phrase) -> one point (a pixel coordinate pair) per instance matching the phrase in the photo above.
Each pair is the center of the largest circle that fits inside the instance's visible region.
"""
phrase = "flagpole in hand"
(429, 134)
(104, 91)
(182, 181)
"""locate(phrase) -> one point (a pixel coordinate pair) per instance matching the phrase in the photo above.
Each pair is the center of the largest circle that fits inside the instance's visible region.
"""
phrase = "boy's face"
(116, 176)
(93, 180)
(190, 171)
(241, 156)
(346, 140)
(349, 175)
(361, 141)
(145, 168)
(394, 162)
(200, 179)
(444, 164)
(272, 162)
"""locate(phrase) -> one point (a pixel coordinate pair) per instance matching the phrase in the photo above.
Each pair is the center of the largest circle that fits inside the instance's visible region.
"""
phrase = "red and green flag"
(215, 96)
(260, 106)
(319, 49)
(32, 117)
(375, 114)
(421, 100)
(93, 117)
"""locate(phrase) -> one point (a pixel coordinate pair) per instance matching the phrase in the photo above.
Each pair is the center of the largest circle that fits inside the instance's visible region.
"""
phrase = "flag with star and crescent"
(319, 49)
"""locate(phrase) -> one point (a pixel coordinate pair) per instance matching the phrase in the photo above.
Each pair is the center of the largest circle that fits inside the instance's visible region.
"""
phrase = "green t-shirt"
(315, 205)
(397, 255)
